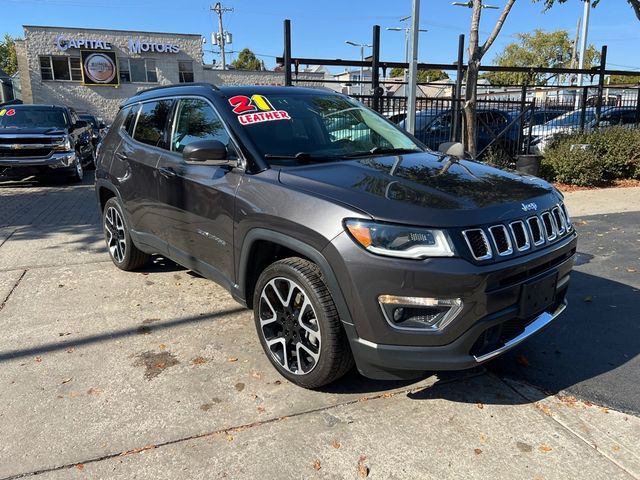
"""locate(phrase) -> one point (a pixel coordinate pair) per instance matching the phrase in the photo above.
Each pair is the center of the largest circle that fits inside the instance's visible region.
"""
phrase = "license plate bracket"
(537, 295)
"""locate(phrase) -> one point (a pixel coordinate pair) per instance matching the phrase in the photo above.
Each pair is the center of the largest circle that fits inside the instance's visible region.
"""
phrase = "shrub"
(609, 154)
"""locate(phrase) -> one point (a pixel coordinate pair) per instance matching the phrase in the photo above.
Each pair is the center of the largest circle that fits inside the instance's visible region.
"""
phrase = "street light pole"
(583, 45)
(362, 47)
(413, 67)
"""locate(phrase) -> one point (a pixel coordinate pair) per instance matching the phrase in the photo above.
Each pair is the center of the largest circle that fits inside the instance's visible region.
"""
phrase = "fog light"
(419, 313)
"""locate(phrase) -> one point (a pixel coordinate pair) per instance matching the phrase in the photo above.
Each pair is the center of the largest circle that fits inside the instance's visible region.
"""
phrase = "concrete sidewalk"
(601, 201)
(159, 374)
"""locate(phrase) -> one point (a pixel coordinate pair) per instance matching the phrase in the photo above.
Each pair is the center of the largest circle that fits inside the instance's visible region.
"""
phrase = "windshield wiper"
(382, 151)
(301, 156)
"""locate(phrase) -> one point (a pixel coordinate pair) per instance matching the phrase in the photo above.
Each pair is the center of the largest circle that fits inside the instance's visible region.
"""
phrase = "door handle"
(121, 156)
(167, 172)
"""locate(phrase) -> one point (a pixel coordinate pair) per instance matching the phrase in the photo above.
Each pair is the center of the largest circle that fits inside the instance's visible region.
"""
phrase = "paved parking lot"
(159, 374)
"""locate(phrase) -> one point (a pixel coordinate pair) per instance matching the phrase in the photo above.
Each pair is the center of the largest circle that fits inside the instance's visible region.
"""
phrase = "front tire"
(78, 172)
(298, 324)
(124, 254)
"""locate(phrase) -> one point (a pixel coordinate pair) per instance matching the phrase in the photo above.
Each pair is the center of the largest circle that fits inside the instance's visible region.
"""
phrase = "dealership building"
(96, 70)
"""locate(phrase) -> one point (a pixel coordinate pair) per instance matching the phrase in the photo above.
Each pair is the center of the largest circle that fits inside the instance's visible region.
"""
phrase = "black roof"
(200, 88)
(23, 106)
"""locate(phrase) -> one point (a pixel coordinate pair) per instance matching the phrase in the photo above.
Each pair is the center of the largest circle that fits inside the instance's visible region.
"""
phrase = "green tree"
(424, 76)
(537, 49)
(247, 60)
(624, 79)
(8, 56)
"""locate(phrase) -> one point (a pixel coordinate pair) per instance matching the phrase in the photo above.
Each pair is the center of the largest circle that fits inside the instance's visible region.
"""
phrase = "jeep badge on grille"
(529, 206)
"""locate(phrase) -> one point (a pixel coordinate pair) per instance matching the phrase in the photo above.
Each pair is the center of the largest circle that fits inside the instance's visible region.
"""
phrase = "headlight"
(400, 241)
(64, 145)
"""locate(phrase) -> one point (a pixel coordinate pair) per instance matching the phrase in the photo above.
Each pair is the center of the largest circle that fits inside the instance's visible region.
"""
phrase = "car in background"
(570, 122)
(433, 127)
(98, 128)
(44, 139)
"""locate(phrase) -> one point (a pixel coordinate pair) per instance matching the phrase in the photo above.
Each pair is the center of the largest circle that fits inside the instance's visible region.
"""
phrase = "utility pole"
(413, 67)
(221, 39)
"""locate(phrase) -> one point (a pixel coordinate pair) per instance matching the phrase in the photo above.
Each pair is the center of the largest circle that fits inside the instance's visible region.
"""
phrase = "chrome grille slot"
(565, 214)
(549, 226)
(520, 236)
(535, 228)
(501, 240)
(478, 243)
(558, 218)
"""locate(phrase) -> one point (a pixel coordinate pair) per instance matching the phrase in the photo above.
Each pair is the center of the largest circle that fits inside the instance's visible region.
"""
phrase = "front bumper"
(55, 160)
(490, 323)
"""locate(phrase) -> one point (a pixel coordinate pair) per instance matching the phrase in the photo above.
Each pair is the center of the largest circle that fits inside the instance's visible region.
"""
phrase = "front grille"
(25, 153)
(478, 243)
(549, 226)
(45, 140)
(519, 235)
(558, 217)
(501, 240)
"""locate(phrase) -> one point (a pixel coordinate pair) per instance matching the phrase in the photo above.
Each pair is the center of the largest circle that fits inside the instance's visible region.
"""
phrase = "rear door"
(199, 198)
(135, 165)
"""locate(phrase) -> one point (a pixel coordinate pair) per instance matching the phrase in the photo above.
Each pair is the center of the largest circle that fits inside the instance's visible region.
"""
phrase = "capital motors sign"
(134, 45)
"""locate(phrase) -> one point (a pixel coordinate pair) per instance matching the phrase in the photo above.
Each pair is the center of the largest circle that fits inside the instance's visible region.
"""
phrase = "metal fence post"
(375, 69)
(637, 119)
(523, 102)
(457, 97)
(287, 52)
(601, 75)
(583, 108)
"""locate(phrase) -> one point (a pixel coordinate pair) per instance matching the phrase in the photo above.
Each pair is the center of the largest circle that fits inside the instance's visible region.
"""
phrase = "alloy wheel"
(115, 233)
(289, 325)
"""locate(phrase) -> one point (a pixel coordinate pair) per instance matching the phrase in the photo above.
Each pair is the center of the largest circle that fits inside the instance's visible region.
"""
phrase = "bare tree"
(635, 4)
(476, 52)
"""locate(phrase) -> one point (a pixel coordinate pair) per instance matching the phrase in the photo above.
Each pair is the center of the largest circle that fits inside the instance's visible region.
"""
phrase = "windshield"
(90, 119)
(288, 129)
(32, 118)
(572, 118)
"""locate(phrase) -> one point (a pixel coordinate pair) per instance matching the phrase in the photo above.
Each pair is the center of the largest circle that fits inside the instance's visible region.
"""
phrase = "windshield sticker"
(9, 113)
(2, 112)
(256, 109)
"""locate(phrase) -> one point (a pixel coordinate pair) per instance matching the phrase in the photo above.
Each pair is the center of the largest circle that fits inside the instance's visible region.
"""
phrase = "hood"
(424, 189)
(32, 131)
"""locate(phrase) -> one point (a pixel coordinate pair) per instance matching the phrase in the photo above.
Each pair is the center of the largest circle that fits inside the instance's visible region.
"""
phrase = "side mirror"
(213, 152)
(79, 124)
(454, 149)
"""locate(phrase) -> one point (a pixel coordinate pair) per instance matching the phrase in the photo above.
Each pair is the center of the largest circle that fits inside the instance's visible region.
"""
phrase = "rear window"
(16, 117)
(152, 121)
(90, 119)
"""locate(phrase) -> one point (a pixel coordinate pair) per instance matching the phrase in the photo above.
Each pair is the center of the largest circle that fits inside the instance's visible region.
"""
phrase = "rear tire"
(298, 324)
(124, 254)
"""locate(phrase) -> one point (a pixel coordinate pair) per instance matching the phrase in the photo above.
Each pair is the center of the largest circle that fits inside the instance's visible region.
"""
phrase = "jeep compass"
(351, 241)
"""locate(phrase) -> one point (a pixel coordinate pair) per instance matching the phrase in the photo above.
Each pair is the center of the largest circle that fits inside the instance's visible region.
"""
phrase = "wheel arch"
(262, 247)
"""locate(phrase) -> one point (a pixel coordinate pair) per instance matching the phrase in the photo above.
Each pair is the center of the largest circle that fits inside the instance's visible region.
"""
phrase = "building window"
(139, 70)
(185, 71)
(60, 68)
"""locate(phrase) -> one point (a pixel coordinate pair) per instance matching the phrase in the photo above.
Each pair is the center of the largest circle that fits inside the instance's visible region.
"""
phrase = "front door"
(197, 197)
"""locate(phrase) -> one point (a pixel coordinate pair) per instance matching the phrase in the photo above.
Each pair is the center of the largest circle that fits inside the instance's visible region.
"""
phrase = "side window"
(630, 117)
(130, 119)
(152, 121)
(196, 121)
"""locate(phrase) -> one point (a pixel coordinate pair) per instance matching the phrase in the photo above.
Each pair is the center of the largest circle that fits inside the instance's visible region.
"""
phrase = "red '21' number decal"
(241, 104)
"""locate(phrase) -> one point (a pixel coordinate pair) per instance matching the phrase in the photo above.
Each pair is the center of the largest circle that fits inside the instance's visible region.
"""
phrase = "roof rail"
(173, 85)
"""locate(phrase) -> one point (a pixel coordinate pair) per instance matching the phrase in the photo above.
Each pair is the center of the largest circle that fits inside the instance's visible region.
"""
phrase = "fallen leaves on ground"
(239, 386)
(198, 361)
(94, 391)
(631, 270)
(568, 400)
(522, 360)
(477, 451)
(316, 465)
(232, 359)
(543, 408)
(38, 359)
(545, 448)
(80, 466)
(336, 444)
(66, 380)
(480, 405)
(363, 470)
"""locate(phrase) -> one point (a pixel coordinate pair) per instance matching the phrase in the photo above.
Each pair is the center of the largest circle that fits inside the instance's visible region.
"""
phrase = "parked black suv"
(44, 139)
(362, 245)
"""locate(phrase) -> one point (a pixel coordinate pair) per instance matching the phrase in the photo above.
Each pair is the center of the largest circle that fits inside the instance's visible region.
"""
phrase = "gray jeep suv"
(350, 240)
